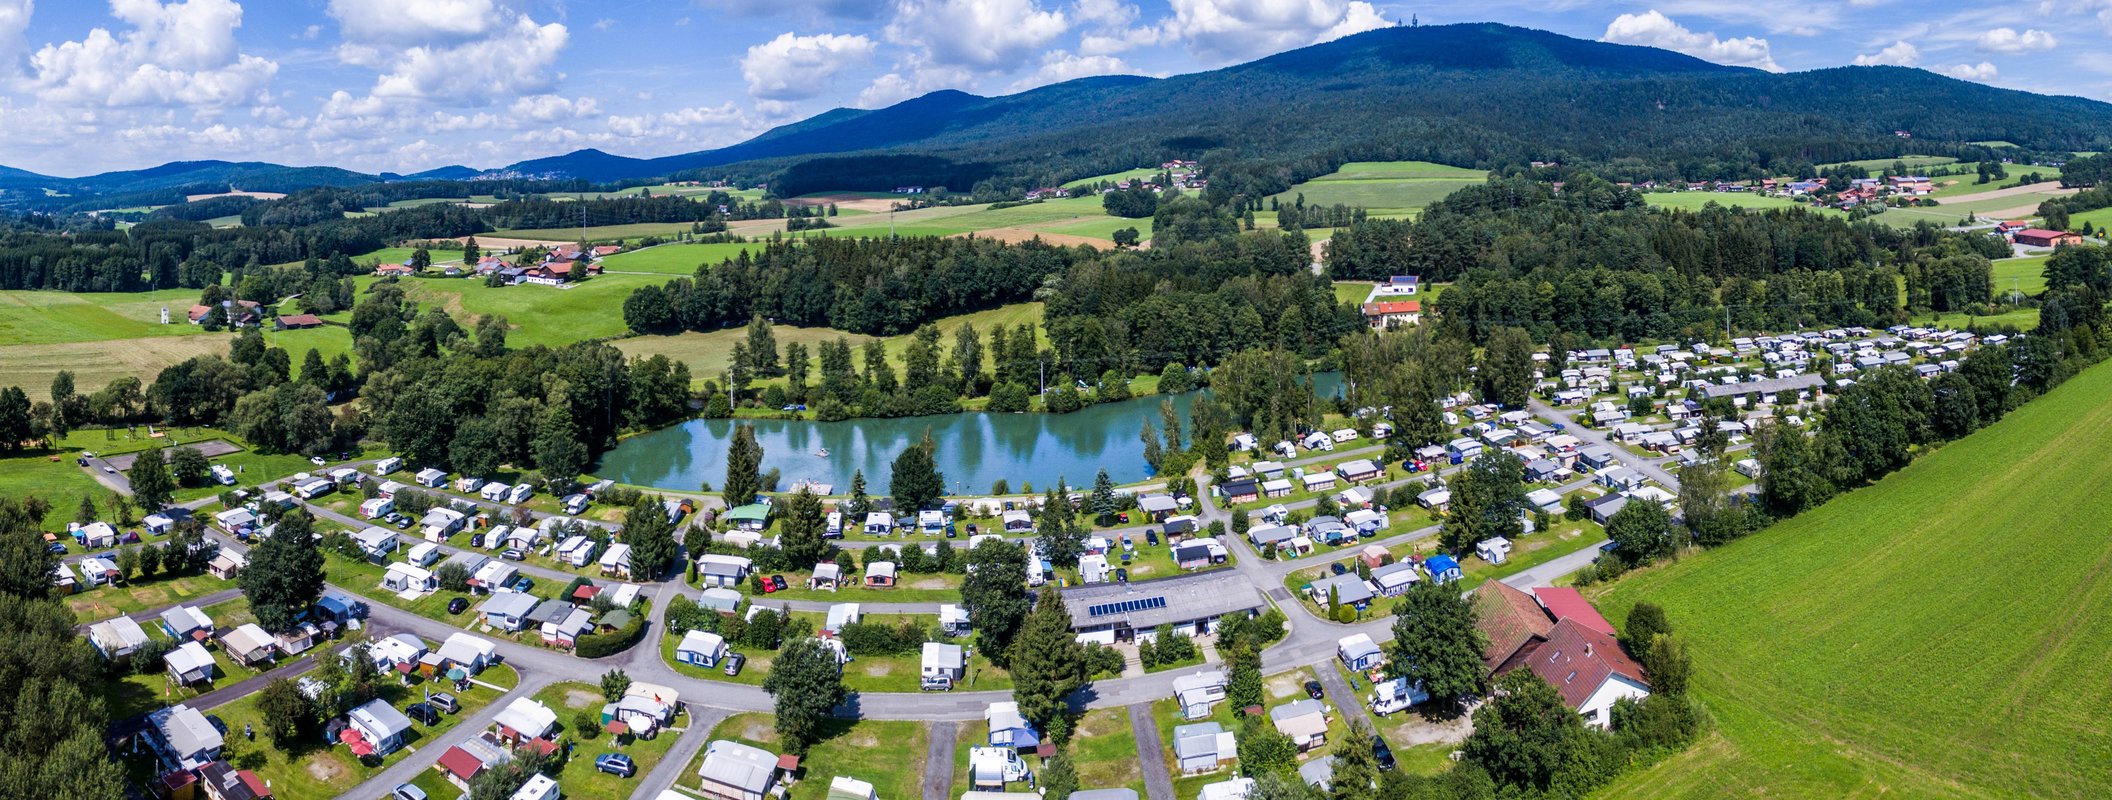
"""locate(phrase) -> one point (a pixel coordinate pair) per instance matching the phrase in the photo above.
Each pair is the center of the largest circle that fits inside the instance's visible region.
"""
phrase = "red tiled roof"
(255, 784)
(1510, 619)
(1566, 603)
(2041, 233)
(1394, 307)
(460, 763)
(1577, 660)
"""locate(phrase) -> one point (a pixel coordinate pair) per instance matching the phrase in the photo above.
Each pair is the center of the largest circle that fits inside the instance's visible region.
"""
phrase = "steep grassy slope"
(1942, 633)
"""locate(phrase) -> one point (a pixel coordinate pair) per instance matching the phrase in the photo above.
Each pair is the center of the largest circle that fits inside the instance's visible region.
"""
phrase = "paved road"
(1151, 752)
(418, 761)
(938, 761)
(673, 766)
(1649, 468)
(1344, 698)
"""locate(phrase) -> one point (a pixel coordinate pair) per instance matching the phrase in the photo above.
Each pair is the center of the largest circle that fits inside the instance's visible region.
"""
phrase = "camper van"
(1396, 695)
(994, 767)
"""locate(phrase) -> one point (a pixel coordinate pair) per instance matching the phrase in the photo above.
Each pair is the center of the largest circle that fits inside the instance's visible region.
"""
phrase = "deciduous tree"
(1435, 642)
(806, 682)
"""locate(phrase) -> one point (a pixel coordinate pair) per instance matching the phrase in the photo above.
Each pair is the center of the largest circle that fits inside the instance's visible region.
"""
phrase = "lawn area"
(911, 588)
(708, 354)
(1116, 177)
(2027, 275)
(901, 673)
(752, 674)
(889, 755)
(1382, 186)
(1103, 752)
(52, 475)
(48, 317)
(545, 315)
(1352, 292)
(1912, 162)
(1695, 201)
(110, 601)
(2100, 220)
(1891, 659)
(313, 771)
(598, 233)
(579, 778)
(676, 259)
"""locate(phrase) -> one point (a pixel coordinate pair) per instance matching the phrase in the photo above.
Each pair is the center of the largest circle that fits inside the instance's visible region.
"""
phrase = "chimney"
(1587, 649)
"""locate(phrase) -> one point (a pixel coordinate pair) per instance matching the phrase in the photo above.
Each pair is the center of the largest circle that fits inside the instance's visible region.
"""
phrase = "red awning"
(618, 727)
(405, 667)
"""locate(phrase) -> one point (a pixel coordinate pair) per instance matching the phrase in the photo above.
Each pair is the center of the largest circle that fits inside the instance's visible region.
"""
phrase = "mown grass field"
(1879, 164)
(1939, 634)
(539, 314)
(1695, 201)
(709, 354)
(678, 260)
(2099, 219)
(1383, 186)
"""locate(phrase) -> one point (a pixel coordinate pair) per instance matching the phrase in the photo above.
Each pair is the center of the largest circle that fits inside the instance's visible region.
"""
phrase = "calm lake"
(975, 449)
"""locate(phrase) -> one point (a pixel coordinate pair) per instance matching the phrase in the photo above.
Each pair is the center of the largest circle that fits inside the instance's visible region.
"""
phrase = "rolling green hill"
(1940, 634)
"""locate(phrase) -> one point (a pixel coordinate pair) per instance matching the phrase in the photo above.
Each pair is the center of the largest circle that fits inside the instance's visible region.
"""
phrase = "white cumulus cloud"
(1242, 29)
(1900, 54)
(1654, 29)
(551, 108)
(416, 20)
(1982, 71)
(173, 54)
(986, 35)
(793, 67)
(2008, 40)
(514, 60)
(1058, 66)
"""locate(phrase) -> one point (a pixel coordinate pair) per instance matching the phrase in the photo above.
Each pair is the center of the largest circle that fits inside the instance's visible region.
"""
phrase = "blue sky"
(88, 86)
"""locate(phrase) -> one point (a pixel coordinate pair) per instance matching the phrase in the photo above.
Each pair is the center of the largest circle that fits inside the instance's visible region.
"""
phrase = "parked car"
(1121, 575)
(767, 585)
(1122, 516)
(1381, 753)
(511, 554)
(408, 792)
(616, 764)
(971, 529)
(445, 702)
(457, 605)
(476, 540)
(424, 713)
(57, 548)
(317, 460)
(1151, 537)
(1314, 690)
(1337, 568)
(523, 584)
(779, 582)
(734, 662)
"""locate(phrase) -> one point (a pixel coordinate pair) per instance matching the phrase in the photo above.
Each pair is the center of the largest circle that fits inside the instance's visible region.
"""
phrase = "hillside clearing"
(1382, 186)
(1937, 634)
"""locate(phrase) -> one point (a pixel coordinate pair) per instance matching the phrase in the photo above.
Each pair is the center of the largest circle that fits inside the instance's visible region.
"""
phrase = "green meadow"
(1939, 634)
(1383, 187)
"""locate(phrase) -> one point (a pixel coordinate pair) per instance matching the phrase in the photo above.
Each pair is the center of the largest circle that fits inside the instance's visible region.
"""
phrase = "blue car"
(523, 584)
(57, 548)
(616, 764)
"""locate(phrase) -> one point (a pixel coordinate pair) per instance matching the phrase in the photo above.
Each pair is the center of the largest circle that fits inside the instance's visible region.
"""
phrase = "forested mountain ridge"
(1483, 95)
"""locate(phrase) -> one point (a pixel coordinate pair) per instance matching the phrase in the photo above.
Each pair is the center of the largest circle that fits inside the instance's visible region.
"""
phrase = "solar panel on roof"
(1125, 606)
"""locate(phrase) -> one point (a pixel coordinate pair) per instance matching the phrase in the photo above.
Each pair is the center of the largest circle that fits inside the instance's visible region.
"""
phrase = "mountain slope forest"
(1479, 95)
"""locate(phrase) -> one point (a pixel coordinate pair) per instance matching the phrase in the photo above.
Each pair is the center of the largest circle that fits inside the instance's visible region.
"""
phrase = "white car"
(317, 460)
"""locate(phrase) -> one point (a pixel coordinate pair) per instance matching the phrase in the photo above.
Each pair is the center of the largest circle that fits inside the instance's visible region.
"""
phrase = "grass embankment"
(1932, 635)
(1383, 188)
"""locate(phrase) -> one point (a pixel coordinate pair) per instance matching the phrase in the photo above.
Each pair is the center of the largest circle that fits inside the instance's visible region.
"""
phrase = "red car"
(768, 585)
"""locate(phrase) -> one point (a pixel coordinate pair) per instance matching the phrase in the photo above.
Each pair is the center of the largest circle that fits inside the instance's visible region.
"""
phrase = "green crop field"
(597, 233)
(1695, 201)
(2027, 275)
(1115, 177)
(539, 314)
(676, 259)
(1395, 170)
(708, 354)
(1940, 634)
(1880, 164)
(2100, 220)
(1383, 186)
